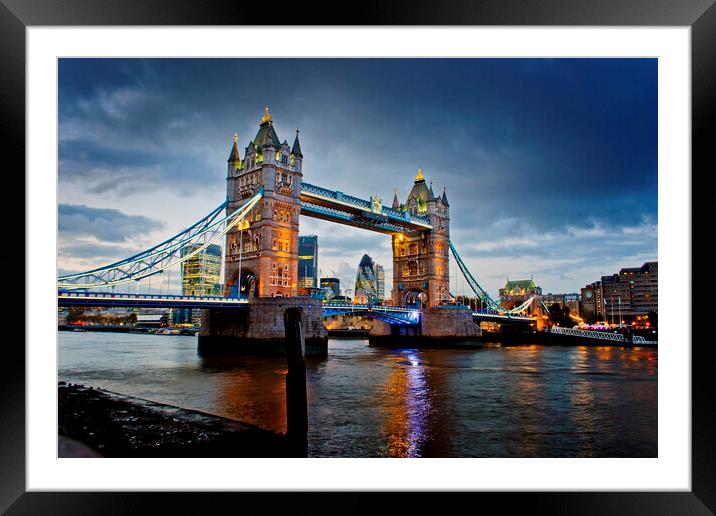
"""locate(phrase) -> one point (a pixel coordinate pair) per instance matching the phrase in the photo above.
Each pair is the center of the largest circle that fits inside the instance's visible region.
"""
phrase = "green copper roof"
(420, 191)
(267, 134)
(519, 285)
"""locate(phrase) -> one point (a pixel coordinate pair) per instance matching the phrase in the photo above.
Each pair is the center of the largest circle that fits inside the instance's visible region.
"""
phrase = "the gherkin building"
(366, 290)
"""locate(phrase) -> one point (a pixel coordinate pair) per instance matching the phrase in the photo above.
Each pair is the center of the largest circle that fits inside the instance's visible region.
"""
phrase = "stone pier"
(440, 327)
(259, 328)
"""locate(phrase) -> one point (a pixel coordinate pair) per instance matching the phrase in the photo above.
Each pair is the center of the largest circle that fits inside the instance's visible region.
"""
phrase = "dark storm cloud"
(104, 224)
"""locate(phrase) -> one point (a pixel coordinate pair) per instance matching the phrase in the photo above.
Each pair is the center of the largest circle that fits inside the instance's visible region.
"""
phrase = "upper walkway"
(336, 206)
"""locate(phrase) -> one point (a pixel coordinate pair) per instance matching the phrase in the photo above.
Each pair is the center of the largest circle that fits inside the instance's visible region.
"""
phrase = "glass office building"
(307, 261)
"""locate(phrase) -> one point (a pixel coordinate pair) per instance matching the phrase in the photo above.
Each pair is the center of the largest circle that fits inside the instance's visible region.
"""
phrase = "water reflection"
(251, 389)
(407, 412)
(503, 401)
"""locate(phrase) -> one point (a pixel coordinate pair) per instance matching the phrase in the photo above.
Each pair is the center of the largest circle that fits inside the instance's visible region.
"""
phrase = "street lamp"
(244, 224)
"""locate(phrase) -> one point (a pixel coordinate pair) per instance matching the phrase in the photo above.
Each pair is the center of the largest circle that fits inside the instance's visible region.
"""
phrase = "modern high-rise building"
(307, 261)
(331, 287)
(201, 273)
(380, 281)
(366, 289)
(634, 291)
(621, 297)
(200, 276)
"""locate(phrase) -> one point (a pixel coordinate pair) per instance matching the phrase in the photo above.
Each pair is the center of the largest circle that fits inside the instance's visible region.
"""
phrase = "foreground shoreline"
(108, 424)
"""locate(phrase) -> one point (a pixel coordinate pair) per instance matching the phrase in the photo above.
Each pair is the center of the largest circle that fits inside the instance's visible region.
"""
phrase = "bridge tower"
(420, 258)
(265, 262)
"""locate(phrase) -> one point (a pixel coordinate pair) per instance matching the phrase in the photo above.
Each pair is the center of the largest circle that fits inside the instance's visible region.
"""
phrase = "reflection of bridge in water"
(258, 224)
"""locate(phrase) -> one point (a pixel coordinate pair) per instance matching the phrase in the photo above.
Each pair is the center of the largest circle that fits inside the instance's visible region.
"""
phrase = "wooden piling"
(296, 405)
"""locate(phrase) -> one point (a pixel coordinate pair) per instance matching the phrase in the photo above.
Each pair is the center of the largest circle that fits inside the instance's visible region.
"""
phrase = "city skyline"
(555, 180)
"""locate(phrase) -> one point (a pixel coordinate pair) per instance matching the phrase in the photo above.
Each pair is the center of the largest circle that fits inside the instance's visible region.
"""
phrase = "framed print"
(430, 261)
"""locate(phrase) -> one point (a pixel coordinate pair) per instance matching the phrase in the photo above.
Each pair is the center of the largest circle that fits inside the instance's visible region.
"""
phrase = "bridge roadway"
(392, 314)
(113, 299)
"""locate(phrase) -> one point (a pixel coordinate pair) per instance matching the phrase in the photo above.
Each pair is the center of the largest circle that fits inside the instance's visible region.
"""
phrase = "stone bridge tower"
(421, 258)
(262, 253)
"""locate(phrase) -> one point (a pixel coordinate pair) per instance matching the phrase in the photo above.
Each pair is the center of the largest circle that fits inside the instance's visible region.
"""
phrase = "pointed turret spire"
(420, 176)
(234, 156)
(396, 202)
(432, 194)
(444, 198)
(296, 150)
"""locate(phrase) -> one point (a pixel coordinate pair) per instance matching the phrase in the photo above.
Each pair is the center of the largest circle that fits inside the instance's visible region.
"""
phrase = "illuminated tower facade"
(421, 258)
(261, 258)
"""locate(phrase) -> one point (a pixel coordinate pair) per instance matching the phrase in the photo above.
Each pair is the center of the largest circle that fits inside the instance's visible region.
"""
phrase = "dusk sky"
(550, 164)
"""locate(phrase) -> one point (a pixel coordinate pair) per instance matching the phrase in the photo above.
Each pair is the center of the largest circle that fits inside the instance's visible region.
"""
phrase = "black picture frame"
(16, 15)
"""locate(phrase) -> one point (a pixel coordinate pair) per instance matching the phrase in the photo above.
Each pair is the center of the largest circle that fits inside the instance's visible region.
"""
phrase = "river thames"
(501, 401)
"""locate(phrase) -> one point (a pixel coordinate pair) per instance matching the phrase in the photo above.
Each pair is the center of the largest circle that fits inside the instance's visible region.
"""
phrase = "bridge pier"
(439, 327)
(259, 329)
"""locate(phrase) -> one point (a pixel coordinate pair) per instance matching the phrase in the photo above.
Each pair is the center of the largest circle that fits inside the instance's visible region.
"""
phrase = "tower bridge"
(259, 224)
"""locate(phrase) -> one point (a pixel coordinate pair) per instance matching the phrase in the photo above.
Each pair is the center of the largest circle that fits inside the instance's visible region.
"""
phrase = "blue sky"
(550, 164)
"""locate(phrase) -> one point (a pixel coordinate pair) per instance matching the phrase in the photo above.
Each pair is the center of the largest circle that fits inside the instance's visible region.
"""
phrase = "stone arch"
(247, 288)
(416, 297)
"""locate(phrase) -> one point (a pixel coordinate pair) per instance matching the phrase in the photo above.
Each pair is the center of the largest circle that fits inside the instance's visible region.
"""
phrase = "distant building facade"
(331, 288)
(380, 281)
(571, 301)
(592, 298)
(516, 292)
(366, 289)
(307, 262)
(634, 291)
(201, 273)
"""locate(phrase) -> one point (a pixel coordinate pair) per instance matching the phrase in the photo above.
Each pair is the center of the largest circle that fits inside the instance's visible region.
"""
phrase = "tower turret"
(396, 202)
(432, 202)
(233, 168)
(444, 199)
(296, 154)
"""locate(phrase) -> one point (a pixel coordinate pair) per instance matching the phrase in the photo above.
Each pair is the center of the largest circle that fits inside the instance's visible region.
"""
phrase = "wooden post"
(296, 406)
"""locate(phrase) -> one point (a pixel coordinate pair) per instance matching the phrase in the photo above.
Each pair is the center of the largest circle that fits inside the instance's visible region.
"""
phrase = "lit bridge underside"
(389, 314)
(335, 206)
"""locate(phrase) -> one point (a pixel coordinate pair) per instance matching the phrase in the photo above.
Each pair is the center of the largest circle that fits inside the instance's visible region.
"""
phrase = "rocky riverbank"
(114, 425)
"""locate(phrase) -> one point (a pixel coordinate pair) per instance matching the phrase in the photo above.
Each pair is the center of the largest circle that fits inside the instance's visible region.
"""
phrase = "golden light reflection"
(408, 406)
(251, 393)
(526, 395)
